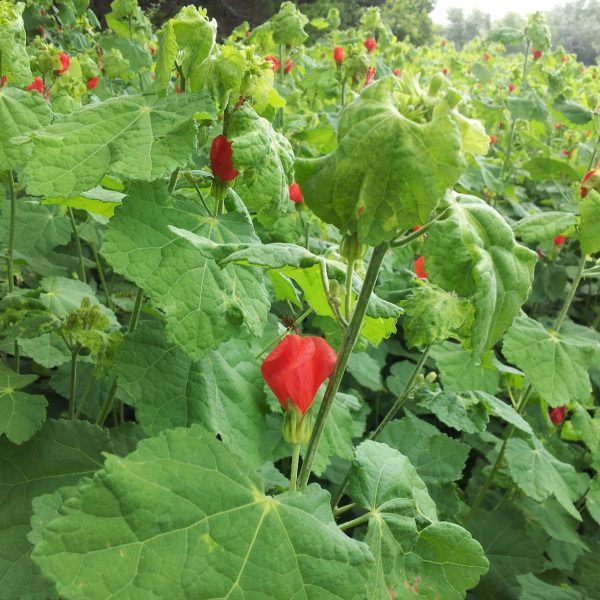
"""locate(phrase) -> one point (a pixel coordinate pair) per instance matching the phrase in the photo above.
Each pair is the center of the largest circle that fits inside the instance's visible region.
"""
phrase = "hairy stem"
(73, 381)
(77, 243)
(294, 469)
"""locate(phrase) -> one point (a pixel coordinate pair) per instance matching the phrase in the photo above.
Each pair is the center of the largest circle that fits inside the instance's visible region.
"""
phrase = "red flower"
(445, 71)
(537, 54)
(297, 367)
(493, 139)
(221, 159)
(178, 89)
(559, 240)
(274, 61)
(416, 228)
(37, 85)
(566, 152)
(487, 56)
(370, 76)
(370, 44)
(511, 87)
(40, 29)
(289, 65)
(397, 72)
(65, 61)
(557, 125)
(338, 54)
(152, 50)
(3, 81)
(557, 415)
(584, 188)
(248, 33)
(92, 82)
(420, 268)
(564, 58)
(295, 193)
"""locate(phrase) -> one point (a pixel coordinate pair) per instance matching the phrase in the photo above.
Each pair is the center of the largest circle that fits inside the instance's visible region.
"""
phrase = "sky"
(495, 9)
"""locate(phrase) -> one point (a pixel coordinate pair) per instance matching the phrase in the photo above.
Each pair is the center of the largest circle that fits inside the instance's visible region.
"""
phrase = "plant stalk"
(12, 190)
(294, 469)
(73, 382)
(77, 243)
(348, 342)
(348, 305)
(354, 522)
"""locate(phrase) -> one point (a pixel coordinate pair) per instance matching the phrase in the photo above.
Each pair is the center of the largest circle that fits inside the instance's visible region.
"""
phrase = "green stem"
(294, 469)
(12, 190)
(133, 321)
(343, 92)
(102, 278)
(358, 521)
(398, 404)
(338, 512)
(173, 180)
(413, 235)
(77, 243)
(73, 381)
(348, 342)
(558, 323)
(349, 273)
(282, 78)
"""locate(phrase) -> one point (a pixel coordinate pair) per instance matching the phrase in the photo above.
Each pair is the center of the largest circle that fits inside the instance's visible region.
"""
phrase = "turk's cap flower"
(557, 415)
(221, 159)
(338, 54)
(295, 193)
(65, 62)
(420, 268)
(370, 44)
(37, 84)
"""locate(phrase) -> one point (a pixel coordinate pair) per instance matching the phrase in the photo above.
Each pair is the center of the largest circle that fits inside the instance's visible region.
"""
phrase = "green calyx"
(296, 426)
(351, 248)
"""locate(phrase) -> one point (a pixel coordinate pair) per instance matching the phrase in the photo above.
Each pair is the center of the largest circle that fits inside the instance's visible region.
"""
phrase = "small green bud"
(431, 377)
(436, 84)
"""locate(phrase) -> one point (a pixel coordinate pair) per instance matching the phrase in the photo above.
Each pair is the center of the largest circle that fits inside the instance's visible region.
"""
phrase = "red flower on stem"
(370, 44)
(445, 71)
(537, 54)
(92, 82)
(37, 84)
(397, 72)
(511, 87)
(152, 50)
(420, 268)
(338, 54)
(295, 193)
(564, 58)
(40, 29)
(289, 65)
(274, 61)
(3, 81)
(65, 61)
(493, 139)
(370, 76)
(557, 415)
(297, 367)
(487, 56)
(559, 240)
(221, 159)
(584, 187)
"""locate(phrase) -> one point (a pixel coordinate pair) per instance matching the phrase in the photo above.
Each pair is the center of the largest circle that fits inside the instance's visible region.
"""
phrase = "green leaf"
(460, 372)
(536, 473)
(535, 588)
(463, 412)
(541, 167)
(48, 350)
(133, 136)
(97, 201)
(223, 391)
(20, 113)
(433, 315)
(154, 505)
(543, 226)
(165, 56)
(557, 365)
(38, 229)
(205, 305)
(504, 411)
(487, 266)
(60, 454)
(14, 60)
(437, 457)
(25, 317)
(288, 25)
(366, 370)
(440, 560)
(528, 106)
(589, 236)
(513, 548)
(573, 111)
(388, 172)
(592, 500)
(265, 160)
(21, 414)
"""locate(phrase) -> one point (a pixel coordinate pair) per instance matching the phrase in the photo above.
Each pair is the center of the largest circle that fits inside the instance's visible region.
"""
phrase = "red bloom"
(289, 65)
(537, 54)
(370, 44)
(178, 89)
(557, 415)
(65, 61)
(221, 159)
(295, 193)
(3, 81)
(338, 54)
(445, 71)
(584, 188)
(564, 58)
(397, 72)
(557, 125)
(276, 64)
(416, 228)
(493, 139)
(487, 56)
(40, 29)
(559, 240)
(420, 268)
(37, 85)
(297, 367)
(248, 33)
(566, 152)
(92, 82)
(511, 87)
(370, 76)
(152, 50)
